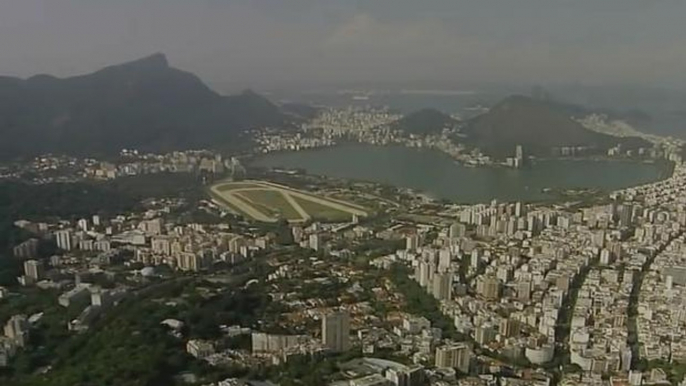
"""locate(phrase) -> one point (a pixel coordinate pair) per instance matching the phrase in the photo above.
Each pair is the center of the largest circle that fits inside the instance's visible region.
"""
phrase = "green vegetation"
(24, 201)
(76, 200)
(236, 186)
(159, 185)
(267, 202)
(271, 202)
(424, 122)
(419, 302)
(127, 347)
(539, 126)
(307, 370)
(233, 307)
(675, 371)
(234, 209)
(322, 212)
(18, 200)
(377, 247)
(46, 335)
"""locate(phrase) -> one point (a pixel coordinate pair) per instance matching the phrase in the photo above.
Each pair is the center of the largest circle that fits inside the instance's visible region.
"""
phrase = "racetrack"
(254, 200)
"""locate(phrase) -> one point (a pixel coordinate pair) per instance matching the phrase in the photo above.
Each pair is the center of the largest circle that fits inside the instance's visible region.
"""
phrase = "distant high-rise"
(519, 152)
(488, 287)
(519, 157)
(475, 259)
(315, 241)
(625, 358)
(457, 230)
(336, 331)
(626, 215)
(457, 356)
(27, 250)
(412, 242)
(445, 258)
(442, 286)
(484, 334)
(33, 269)
(161, 245)
(408, 376)
(189, 261)
(63, 239)
(83, 224)
(17, 329)
(523, 290)
(152, 227)
(519, 212)
(424, 273)
(509, 328)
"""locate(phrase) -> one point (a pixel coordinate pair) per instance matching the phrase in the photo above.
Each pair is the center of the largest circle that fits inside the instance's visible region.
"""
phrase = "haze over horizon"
(264, 43)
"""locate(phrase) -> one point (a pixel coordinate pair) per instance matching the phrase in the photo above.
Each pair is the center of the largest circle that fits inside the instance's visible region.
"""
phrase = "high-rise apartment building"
(33, 269)
(442, 288)
(457, 356)
(63, 239)
(336, 331)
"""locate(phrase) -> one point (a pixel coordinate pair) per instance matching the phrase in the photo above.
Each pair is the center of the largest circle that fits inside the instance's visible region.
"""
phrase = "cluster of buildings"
(640, 256)
(668, 148)
(91, 251)
(16, 336)
(330, 127)
(273, 348)
(64, 169)
(525, 287)
(662, 306)
(507, 273)
(132, 163)
(148, 238)
(47, 168)
(362, 125)
(598, 340)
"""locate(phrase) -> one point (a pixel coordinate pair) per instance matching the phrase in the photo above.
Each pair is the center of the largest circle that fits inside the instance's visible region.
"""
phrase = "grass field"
(268, 202)
(271, 201)
(318, 211)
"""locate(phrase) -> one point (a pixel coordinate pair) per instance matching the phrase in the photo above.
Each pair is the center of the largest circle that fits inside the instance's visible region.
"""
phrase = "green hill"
(539, 127)
(424, 122)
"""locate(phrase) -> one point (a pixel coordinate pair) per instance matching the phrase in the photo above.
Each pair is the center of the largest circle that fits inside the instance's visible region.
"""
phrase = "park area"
(268, 202)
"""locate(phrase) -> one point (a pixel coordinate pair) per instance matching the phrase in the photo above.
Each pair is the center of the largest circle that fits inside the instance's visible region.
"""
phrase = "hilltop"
(144, 104)
(539, 127)
(424, 122)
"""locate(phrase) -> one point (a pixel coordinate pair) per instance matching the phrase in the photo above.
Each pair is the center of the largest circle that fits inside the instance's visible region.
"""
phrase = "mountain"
(301, 110)
(144, 104)
(424, 122)
(538, 126)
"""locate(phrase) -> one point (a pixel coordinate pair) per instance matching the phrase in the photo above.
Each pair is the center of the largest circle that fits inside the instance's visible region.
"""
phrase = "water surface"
(438, 175)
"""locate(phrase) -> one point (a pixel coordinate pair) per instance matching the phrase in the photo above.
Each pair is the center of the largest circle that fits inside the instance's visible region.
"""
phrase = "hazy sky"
(273, 42)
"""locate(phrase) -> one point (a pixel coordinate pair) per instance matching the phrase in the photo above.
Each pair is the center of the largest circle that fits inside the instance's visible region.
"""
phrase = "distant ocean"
(463, 102)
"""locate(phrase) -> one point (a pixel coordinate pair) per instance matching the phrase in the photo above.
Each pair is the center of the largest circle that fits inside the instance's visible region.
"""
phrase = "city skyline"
(359, 216)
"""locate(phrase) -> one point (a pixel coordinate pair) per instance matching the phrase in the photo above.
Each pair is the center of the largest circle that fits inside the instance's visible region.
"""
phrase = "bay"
(440, 176)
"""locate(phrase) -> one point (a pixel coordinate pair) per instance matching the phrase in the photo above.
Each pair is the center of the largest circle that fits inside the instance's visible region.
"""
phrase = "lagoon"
(439, 176)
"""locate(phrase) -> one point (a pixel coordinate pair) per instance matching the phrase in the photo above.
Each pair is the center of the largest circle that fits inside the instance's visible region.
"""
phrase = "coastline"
(526, 184)
(460, 161)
